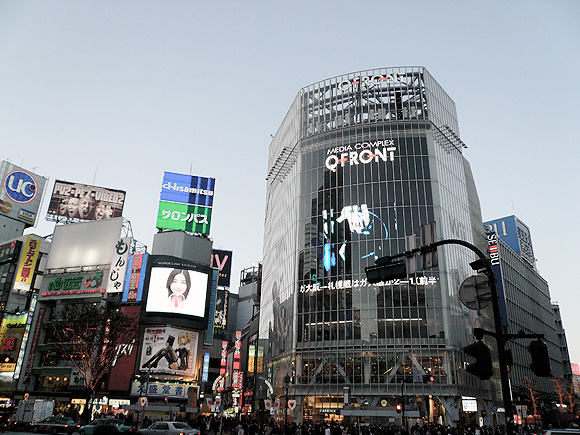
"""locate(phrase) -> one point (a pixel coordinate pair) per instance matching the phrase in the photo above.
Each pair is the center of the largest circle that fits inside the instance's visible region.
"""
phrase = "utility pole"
(382, 270)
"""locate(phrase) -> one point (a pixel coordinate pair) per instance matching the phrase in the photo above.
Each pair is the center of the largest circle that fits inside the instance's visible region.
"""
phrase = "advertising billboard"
(135, 278)
(21, 193)
(81, 202)
(169, 350)
(515, 234)
(84, 244)
(187, 189)
(186, 203)
(223, 261)
(177, 287)
(119, 265)
(184, 217)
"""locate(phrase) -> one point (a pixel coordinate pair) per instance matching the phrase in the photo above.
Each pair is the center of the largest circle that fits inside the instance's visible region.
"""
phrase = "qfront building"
(359, 164)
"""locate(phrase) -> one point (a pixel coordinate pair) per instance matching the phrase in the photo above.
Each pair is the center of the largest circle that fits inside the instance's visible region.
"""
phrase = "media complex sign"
(361, 152)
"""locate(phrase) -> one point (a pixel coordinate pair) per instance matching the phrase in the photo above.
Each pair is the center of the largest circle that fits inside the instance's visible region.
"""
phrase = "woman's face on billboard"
(179, 285)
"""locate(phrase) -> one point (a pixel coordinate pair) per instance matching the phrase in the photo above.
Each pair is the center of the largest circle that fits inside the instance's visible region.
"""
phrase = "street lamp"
(286, 385)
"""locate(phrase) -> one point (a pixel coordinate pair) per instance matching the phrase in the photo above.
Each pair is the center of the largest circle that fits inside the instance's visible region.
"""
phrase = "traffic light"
(483, 413)
(482, 367)
(540, 359)
(428, 378)
(385, 272)
(399, 407)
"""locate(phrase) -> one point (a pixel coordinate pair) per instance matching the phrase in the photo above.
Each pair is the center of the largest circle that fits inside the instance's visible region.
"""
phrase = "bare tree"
(530, 387)
(87, 335)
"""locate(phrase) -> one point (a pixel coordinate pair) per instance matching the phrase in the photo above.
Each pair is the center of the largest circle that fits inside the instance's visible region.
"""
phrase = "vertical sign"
(35, 339)
(119, 265)
(205, 367)
(208, 339)
(27, 264)
(260, 362)
(251, 358)
(494, 257)
(223, 363)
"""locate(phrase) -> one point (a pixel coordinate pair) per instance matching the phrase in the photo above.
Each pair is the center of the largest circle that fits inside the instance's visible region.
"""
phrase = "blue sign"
(187, 189)
(20, 187)
(205, 367)
(515, 234)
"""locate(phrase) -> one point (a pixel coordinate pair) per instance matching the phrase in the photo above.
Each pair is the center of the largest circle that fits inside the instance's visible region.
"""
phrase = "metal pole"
(499, 334)
(403, 403)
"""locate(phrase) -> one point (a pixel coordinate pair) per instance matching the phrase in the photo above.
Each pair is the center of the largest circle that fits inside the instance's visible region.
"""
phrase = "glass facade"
(358, 165)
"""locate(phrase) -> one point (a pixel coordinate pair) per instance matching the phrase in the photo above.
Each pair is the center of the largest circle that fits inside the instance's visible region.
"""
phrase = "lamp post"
(286, 385)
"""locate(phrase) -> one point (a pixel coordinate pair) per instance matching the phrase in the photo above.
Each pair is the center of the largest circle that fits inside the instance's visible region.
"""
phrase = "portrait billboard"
(177, 286)
(187, 189)
(75, 202)
(169, 350)
(184, 217)
(21, 193)
(223, 261)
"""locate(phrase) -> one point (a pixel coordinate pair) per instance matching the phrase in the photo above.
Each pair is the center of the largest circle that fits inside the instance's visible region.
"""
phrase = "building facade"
(359, 164)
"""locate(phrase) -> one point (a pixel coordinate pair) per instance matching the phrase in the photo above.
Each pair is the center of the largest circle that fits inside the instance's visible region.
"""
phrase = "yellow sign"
(27, 264)
(7, 367)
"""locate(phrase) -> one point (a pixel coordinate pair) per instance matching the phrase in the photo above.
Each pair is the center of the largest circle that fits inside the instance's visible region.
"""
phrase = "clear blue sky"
(113, 93)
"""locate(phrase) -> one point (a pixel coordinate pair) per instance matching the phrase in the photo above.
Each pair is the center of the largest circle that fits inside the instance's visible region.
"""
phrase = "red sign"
(35, 338)
(122, 365)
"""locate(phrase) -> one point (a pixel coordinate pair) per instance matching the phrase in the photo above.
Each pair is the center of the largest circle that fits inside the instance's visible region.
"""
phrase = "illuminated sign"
(76, 282)
(30, 251)
(223, 261)
(362, 152)
(357, 283)
(167, 390)
(135, 277)
(205, 371)
(80, 202)
(11, 333)
(169, 350)
(251, 357)
(184, 217)
(369, 81)
(187, 189)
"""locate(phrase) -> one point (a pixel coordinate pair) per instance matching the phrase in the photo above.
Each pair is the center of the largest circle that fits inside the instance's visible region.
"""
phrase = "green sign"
(184, 217)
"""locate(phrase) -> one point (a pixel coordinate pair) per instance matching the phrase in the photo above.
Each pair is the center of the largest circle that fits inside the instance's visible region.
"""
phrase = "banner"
(80, 202)
(169, 350)
(27, 264)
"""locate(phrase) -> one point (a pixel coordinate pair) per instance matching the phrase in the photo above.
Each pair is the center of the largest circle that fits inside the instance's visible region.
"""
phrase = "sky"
(114, 93)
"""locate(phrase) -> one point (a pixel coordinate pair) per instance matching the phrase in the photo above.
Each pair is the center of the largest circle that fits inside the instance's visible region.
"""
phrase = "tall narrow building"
(358, 165)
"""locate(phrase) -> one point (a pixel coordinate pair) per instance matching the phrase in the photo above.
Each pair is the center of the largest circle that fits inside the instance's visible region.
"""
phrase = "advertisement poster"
(75, 202)
(187, 189)
(169, 350)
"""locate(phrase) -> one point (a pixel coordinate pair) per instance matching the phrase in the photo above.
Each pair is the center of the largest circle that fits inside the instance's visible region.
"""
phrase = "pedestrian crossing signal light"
(482, 367)
(399, 407)
(428, 378)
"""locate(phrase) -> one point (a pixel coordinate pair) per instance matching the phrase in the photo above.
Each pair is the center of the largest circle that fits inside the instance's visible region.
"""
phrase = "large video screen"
(176, 286)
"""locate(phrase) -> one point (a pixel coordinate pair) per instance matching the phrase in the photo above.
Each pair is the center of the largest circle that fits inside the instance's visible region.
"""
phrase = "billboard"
(184, 217)
(186, 203)
(515, 234)
(223, 261)
(119, 265)
(169, 350)
(84, 244)
(221, 309)
(135, 278)
(177, 286)
(187, 189)
(81, 202)
(21, 193)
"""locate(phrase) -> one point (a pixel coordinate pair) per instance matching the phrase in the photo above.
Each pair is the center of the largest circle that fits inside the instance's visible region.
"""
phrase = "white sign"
(469, 404)
(119, 265)
(360, 153)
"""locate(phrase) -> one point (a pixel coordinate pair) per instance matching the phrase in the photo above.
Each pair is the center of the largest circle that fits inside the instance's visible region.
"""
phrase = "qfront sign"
(360, 153)
(370, 81)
